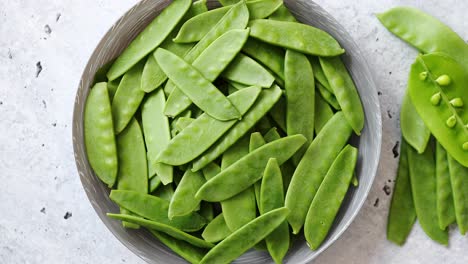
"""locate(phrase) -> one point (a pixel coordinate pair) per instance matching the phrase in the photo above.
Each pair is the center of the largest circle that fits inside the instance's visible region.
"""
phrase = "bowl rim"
(365, 67)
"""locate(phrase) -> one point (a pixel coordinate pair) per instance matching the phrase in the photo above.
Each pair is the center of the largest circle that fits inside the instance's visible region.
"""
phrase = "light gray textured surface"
(37, 168)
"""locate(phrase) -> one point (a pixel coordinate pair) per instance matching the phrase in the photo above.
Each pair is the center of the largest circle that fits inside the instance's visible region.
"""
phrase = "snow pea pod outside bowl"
(140, 241)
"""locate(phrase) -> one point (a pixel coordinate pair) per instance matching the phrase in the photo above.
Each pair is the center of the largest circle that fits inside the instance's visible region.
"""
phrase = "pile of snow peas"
(223, 130)
(432, 179)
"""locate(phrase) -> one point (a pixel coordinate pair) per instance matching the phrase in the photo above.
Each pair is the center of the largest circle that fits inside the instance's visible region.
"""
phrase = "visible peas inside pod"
(451, 121)
(465, 146)
(443, 80)
(423, 76)
(456, 102)
(435, 99)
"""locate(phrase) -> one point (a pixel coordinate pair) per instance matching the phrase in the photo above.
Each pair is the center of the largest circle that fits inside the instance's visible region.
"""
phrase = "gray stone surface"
(38, 179)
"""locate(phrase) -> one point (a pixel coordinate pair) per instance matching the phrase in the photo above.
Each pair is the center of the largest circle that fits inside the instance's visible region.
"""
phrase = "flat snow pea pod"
(313, 167)
(224, 49)
(278, 113)
(345, 91)
(248, 170)
(442, 106)
(328, 97)
(423, 186)
(413, 129)
(329, 197)
(154, 183)
(212, 101)
(206, 130)
(211, 170)
(272, 135)
(445, 203)
(272, 197)
(128, 98)
(112, 87)
(173, 232)
(296, 36)
(157, 134)
(270, 56)
(402, 214)
(184, 202)
(319, 74)
(150, 38)
(165, 192)
(283, 14)
(186, 250)
(183, 122)
(300, 98)
(459, 179)
(256, 141)
(323, 113)
(156, 209)
(267, 98)
(245, 70)
(152, 76)
(424, 32)
(216, 230)
(99, 135)
(207, 211)
(245, 238)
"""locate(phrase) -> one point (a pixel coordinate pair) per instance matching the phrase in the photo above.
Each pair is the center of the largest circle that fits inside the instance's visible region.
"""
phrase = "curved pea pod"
(272, 135)
(424, 32)
(442, 103)
(224, 49)
(187, 251)
(152, 76)
(256, 141)
(278, 113)
(296, 36)
(313, 167)
(216, 230)
(128, 98)
(328, 96)
(330, 195)
(245, 172)
(184, 202)
(245, 238)
(283, 14)
(319, 74)
(323, 113)
(156, 209)
(157, 134)
(402, 214)
(245, 70)
(211, 170)
(272, 197)
(300, 98)
(206, 129)
(413, 129)
(345, 91)
(267, 98)
(212, 101)
(270, 56)
(112, 87)
(459, 179)
(423, 186)
(197, 27)
(445, 203)
(99, 135)
(167, 229)
(150, 38)
(154, 183)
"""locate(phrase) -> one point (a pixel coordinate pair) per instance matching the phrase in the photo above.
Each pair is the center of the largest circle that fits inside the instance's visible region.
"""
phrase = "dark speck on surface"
(44, 104)
(47, 29)
(67, 215)
(377, 39)
(390, 73)
(389, 180)
(389, 114)
(58, 17)
(395, 149)
(43, 145)
(379, 93)
(38, 68)
(54, 124)
(43, 210)
(1, 102)
(387, 190)
(10, 56)
(376, 203)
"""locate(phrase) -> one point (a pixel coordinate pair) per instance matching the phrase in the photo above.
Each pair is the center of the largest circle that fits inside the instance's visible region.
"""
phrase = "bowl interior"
(140, 241)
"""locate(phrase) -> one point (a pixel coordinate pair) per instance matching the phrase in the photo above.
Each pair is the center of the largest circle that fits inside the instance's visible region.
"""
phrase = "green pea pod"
(112, 87)
(183, 122)
(270, 56)
(313, 167)
(229, 2)
(330, 195)
(272, 197)
(402, 213)
(207, 211)
(211, 170)
(206, 129)
(245, 238)
(272, 135)
(150, 38)
(440, 101)
(413, 129)
(283, 14)
(156, 209)
(327, 96)
(186, 250)
(247, 71)
(128, 98)
(445, 203)
(459, 178)
(267, 98)
(278, 113)
(319, 74)
(300, 98)
(99, 135)
(256, 141)
(173, 232)
(154, 183)
(224, 49)
(323, 113)
(216, 230)
(296, 36)
(423, 186)
(165, 192)
(184, 201)
(424, 32)
(245, 172)
(345, 91)
(157, 134)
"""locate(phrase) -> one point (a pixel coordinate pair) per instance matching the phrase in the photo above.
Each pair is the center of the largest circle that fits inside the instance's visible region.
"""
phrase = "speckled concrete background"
(45, 216)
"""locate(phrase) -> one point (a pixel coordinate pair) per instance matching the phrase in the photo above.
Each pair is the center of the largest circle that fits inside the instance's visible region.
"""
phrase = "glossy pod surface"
(413, 129)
